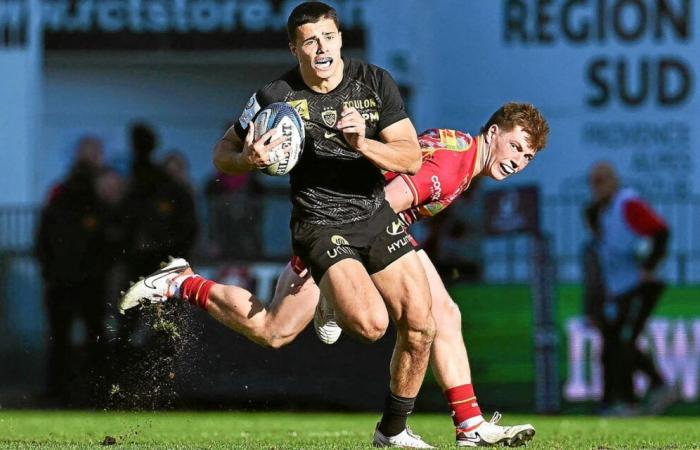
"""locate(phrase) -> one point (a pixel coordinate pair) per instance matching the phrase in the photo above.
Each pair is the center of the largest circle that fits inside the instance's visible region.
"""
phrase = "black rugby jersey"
(333, 184)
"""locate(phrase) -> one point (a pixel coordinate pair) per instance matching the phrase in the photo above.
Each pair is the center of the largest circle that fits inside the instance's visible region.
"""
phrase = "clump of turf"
(149, 361)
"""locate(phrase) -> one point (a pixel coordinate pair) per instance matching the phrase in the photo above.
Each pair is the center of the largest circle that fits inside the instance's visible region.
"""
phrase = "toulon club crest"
(329, 117)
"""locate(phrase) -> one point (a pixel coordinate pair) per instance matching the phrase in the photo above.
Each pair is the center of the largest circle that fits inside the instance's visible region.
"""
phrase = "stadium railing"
(246, 227)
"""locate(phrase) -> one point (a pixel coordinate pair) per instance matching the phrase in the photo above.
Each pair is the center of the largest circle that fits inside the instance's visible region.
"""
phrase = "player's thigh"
(404, 287)
(293, 285)
(445, 310)
(358, 304)
(293, 304)
(320, 247)
(395, 268)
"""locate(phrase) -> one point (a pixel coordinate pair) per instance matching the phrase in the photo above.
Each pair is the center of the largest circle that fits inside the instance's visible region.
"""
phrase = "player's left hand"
(353, 127)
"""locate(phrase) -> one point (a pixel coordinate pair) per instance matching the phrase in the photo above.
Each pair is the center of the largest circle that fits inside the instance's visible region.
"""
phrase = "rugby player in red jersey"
(451, 160)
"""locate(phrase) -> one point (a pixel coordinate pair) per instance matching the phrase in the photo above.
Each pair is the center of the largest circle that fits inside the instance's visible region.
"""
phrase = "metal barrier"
(249, 227)
(17, 225)
(505, 259)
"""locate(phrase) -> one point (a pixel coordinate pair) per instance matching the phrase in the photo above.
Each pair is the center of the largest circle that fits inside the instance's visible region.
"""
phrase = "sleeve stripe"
(411, 186)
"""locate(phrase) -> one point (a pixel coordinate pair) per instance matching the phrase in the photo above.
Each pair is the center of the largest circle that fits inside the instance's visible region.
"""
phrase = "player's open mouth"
(507, 169)
(323, 63)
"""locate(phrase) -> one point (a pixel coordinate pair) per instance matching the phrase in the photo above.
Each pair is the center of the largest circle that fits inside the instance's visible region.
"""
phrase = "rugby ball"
(286, 122)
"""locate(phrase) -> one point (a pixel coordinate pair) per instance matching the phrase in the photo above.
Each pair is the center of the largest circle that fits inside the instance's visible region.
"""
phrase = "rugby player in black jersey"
(343, 230)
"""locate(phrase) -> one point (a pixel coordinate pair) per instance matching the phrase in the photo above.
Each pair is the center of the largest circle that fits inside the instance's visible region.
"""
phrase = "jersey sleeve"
(425, 185)
(255, 103)
(392, 104)
(250, 109)
(642, 219)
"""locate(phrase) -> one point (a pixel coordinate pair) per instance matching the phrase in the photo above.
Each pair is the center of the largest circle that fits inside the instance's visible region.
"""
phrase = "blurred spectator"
(622, 288)
(159, 221)
(160, 218)
(221, 184)
(110, 187)
(234, 210)
(76, 247)
(593, 285)
(176, 165)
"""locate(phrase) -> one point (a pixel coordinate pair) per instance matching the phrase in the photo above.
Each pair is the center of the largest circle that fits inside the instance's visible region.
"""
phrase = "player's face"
(510, 152)
(317, 49)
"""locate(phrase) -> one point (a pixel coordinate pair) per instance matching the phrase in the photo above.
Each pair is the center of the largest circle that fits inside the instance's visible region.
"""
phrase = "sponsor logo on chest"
(436, 188)
(367, 108)
(302, 107)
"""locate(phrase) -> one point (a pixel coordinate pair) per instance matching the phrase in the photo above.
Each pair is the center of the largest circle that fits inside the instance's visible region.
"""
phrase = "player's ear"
(491, 133)
(293, 49)
(340, 37)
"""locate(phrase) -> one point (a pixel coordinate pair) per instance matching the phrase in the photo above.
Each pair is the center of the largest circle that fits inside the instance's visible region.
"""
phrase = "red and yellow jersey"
(449, 163)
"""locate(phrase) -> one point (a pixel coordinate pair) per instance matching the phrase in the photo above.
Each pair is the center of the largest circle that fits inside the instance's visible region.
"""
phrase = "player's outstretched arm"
(399, 195)
(396, 151)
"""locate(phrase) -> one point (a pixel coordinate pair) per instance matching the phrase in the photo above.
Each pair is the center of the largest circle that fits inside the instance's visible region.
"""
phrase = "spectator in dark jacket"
(160, 217)
(75, 250)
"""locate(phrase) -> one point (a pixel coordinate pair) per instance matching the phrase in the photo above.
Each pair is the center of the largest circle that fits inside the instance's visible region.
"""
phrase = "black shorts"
(375, 242)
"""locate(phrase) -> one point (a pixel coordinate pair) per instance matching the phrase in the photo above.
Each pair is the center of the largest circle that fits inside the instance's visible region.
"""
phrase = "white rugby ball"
(288, 123)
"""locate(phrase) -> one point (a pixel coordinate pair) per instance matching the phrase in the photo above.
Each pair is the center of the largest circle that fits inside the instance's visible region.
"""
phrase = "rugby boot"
(156, 287)
(325, 326)
(405, 439)
(486, 434)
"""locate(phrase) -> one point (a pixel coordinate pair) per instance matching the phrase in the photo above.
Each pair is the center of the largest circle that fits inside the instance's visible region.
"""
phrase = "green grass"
(211, 430)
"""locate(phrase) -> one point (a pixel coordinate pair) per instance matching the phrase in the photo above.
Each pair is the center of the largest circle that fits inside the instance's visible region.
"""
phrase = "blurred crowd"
(96, 230)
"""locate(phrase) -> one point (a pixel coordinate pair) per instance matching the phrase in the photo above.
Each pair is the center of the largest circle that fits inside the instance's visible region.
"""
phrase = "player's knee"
(371, 328)
(420, 334)
(430, 330)
(267, 337)
(275, 342)
(374, 330)
(453, 318)
(374, 334)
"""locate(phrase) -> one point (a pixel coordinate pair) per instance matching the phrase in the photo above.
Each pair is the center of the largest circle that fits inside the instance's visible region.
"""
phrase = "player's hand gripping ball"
(288, 124)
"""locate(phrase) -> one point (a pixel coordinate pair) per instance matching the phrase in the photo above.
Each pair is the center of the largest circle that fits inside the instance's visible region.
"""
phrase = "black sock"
(396, 411)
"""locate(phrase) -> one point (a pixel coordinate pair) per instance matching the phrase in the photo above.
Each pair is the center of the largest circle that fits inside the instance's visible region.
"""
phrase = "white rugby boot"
(489, 433)
(405, 439)
(325, 326)
(155, 288)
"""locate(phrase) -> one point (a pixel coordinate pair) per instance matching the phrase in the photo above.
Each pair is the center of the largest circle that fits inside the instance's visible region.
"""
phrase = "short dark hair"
(309, 12)
(143, 138)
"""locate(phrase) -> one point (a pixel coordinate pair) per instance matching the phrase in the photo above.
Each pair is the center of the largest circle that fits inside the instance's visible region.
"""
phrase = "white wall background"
(20, 105)
(463, 68)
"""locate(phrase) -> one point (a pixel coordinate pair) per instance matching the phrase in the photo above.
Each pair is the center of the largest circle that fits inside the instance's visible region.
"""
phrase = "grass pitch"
(211, 430)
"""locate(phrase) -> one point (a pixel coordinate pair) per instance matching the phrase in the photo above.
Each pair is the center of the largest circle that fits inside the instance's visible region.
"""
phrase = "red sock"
(463, 403)
(196, 291)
